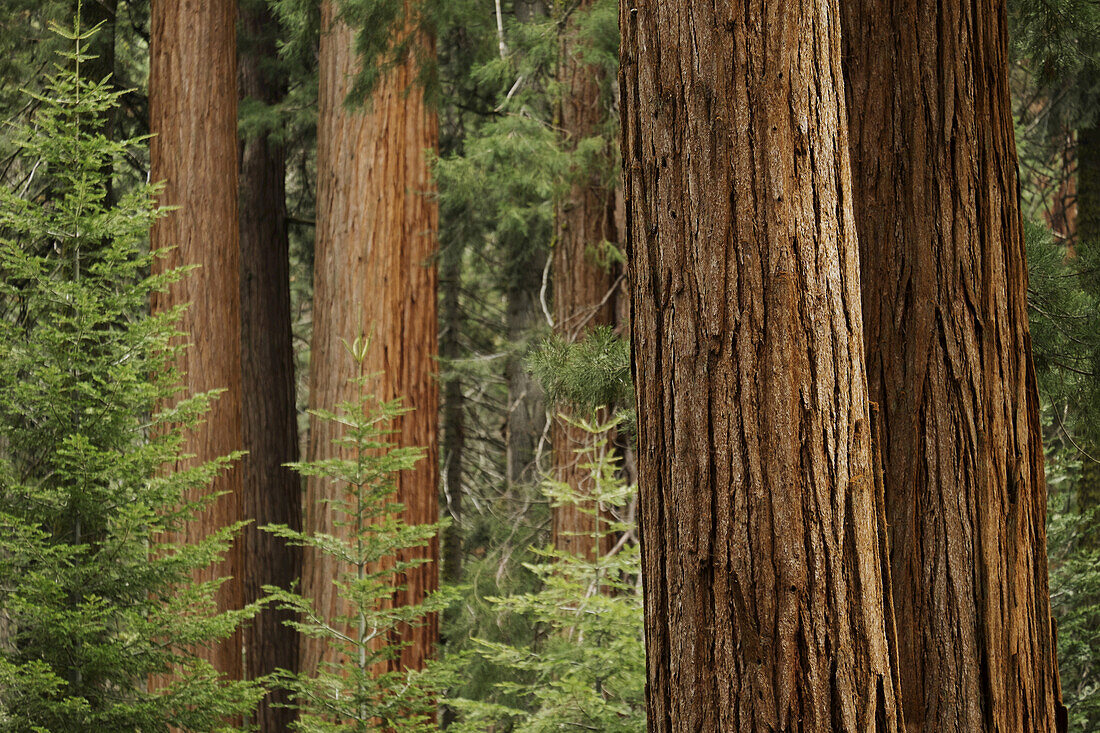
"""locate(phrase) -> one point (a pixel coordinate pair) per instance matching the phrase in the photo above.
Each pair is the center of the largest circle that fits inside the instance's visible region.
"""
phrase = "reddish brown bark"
(764, 592)
(376, 234)
(584, 287)
(193, 118)
(949, 360)
(272, 493)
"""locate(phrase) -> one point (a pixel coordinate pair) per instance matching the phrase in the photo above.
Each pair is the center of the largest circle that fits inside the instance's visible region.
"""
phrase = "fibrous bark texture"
(376, 234)
(193, 118)
(764, 593)
(272, 493)
(949, 361)
(584, 287)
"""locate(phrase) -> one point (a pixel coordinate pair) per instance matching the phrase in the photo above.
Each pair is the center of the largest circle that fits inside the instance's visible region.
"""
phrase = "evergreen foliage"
(95, 600)
(586, 668)
(589, 374)
(359, 691)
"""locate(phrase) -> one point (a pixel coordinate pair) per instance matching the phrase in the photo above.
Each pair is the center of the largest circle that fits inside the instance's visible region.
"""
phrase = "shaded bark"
(764, 592)
(529, 10)
(525, 421)
(271, 493)
(949, 360)
(101, 48)
(376, 234)
(1088, 248)
(193, 118)
(454, 408)
(584, 288)
(526, 418)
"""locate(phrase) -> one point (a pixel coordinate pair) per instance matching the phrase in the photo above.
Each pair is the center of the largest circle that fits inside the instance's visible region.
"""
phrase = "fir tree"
(586, 670)
(95, 601)
(361, 691)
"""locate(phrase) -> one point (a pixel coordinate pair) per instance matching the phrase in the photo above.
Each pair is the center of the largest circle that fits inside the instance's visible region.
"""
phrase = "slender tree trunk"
(101, 49)
(949, 360)
(529, 10)
(193, 117)
(272, 493)
(526, 418)
(102, 46)
(376, 235)
(765, 607)
(1088, 248)
(584, 289)
(525, 422)
(454, 408)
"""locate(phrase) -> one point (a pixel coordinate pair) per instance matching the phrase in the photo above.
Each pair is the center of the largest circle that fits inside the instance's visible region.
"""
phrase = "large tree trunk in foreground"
(376, 235)
(584, 296)
(272, 493)
(193, 118)
(764, 587)
(949, 361)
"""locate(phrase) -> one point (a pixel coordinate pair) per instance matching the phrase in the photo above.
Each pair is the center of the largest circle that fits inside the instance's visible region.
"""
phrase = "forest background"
(524, 408)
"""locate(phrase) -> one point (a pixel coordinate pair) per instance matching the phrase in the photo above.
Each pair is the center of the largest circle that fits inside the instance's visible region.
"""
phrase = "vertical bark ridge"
(272, 493)
(764, 607)
(584, 289)
(193, 118)
(376, 234)
(949, 360)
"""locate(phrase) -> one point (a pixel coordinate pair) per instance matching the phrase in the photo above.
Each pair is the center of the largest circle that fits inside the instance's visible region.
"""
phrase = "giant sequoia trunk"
(376, 227)
(271, 492)
(764, 580)
(949, 361)
(193, 118)
(584, 295)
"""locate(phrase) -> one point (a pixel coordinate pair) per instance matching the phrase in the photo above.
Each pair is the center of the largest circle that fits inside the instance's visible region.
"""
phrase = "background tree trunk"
(454, 407)
(584, 290)
(525, 421)
(272, 494)
(764, 592)
(1088, 248)
(376, 234)
(193, 118)
(102, 49)
(949, 360)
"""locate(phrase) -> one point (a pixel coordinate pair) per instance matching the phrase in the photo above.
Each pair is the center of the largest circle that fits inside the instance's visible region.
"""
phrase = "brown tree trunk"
(376, 235)
(765, 606)
(272, 493)
(949, 360)
(193, 118)
(584, 289)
